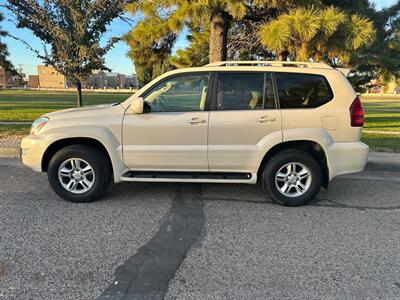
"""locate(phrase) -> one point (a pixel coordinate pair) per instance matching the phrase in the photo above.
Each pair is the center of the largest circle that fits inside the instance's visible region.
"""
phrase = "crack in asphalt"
(146, 274)
(333, 204)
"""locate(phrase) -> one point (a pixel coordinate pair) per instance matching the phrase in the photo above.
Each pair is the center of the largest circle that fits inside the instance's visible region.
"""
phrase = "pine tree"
(196, 54)
(171, 16)
(318, 34)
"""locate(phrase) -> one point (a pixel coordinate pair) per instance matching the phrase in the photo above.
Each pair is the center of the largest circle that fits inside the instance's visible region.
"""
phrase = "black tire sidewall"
(279, 160)
(97, 161)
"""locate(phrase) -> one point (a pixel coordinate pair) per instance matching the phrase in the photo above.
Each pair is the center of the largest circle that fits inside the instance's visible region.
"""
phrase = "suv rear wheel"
(292, 178)
(79, 173)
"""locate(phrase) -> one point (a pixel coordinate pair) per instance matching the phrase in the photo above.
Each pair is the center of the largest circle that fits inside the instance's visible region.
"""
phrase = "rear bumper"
(346, 158)
(32, 150)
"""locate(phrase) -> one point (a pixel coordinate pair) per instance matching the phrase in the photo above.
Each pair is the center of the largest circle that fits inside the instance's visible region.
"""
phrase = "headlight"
(38, 124)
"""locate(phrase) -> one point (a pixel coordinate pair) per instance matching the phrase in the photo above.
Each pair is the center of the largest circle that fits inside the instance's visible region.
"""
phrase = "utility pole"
(20, 74)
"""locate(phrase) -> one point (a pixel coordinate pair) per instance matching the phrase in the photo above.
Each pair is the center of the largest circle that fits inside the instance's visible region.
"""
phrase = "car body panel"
(166, 141)
(79, 123)
(228, 141)
(237, 139)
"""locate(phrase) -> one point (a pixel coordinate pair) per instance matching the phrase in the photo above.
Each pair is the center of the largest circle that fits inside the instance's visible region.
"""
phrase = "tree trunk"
(218, 37)
(283, 55)
(79, 93)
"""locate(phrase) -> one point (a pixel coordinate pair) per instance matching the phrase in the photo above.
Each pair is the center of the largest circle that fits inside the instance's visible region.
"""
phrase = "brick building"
(50, 78)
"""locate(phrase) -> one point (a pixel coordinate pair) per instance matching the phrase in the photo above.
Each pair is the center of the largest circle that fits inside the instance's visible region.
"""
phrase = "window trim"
(208, 95)
(295, 108)
(213, 106)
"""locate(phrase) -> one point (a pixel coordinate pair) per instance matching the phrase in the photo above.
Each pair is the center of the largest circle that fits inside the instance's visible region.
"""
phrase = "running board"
(211, 177)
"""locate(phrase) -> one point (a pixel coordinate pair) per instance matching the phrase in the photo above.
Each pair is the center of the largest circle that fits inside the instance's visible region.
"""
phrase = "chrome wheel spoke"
(87, 170)
(281, 177)
(76, 175)
(301, 186)
(293, 179)
(85, 183)
(71, 185)
(298, 189)
(65, 172)
(285, 188)
(73, 163)
(303, 174)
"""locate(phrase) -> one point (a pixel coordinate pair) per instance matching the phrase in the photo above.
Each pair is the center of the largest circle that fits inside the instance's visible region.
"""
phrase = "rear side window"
(244, 91)
(297, 90)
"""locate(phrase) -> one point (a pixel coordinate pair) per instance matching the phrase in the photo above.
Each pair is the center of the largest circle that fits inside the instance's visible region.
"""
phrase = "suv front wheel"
(292, 178)
(79, 173)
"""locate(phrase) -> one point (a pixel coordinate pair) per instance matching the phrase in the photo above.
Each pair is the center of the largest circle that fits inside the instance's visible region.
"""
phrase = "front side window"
(298, 90)
(244, 91)
(178, 94)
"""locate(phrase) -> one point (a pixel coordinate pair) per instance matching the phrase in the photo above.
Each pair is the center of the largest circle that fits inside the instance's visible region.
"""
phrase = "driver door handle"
(266, 119)
(196, 120)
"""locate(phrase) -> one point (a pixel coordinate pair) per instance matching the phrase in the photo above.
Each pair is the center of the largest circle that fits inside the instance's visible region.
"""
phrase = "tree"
(215, 15)
(382, 57)
(4, 62)
(318, 34)
(196, 54)
(150, 44)
(73, 30)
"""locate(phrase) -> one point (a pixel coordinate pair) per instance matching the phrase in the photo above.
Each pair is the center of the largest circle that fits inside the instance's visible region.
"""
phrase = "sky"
(116, 58)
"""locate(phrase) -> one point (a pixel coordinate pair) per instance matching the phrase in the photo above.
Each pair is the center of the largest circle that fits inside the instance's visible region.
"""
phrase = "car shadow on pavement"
(245, 193)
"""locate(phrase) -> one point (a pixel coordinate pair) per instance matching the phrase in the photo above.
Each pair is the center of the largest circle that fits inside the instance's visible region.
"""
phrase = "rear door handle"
(194, 121)
(266, 119)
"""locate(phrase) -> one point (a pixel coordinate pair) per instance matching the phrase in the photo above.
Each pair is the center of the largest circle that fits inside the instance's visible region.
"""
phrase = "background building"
(33, 81)
(5, 78)
(98, 80)
(50, 78)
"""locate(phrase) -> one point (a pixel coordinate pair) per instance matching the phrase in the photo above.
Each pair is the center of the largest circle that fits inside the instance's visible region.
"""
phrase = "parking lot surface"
(209, 241)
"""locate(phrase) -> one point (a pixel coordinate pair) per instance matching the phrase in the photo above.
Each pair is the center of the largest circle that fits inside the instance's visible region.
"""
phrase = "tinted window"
(178, 93)
(242, 91)
(302, 90)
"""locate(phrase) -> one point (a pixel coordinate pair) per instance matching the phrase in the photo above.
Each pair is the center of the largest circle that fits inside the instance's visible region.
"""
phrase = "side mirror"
(137, 105)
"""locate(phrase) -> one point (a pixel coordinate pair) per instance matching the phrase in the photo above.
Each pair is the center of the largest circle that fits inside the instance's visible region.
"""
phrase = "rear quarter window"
(297, 90)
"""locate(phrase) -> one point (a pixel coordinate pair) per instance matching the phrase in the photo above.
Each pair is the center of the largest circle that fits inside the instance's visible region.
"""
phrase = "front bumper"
(346, 158)
(32, 150)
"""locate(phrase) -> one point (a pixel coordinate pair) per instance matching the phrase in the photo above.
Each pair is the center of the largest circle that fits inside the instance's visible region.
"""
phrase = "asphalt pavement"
(209, 241)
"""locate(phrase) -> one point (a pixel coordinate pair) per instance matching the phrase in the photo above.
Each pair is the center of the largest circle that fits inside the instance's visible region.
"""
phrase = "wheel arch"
(62, 143)
(309, 146)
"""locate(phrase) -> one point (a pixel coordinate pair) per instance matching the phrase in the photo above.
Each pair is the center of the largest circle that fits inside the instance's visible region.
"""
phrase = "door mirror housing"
(137, 105)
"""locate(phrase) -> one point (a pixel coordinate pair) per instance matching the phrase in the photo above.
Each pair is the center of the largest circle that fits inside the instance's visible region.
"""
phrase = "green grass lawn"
(29, 105)
(382, 141)
(381, 114)
(19, 130)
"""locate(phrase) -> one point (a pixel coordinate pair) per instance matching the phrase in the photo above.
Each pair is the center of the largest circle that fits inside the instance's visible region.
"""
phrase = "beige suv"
(292, 127)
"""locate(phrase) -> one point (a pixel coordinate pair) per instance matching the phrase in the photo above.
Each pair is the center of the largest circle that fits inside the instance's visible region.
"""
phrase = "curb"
(9, 152)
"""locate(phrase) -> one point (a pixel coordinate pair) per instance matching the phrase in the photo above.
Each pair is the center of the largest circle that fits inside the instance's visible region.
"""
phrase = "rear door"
(242, 117)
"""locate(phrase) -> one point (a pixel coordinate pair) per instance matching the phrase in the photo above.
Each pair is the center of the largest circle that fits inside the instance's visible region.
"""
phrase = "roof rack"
(268, 63)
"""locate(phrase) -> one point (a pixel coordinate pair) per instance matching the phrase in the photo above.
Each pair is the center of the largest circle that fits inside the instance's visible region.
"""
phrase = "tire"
(87, 185)
(300, 188)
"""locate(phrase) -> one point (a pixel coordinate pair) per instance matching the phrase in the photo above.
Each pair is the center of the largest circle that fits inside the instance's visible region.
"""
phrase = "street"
(208, 241)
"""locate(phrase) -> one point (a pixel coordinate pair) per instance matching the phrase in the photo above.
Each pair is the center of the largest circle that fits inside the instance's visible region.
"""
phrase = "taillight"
(357, 113)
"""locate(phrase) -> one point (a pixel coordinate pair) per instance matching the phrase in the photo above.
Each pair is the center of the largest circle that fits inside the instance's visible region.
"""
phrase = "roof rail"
(268, 63)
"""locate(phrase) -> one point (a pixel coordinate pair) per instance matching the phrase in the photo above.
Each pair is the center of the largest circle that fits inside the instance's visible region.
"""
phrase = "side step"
(215, 177)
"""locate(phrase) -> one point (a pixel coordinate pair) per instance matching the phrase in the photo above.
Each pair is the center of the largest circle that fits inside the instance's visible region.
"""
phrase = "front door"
(171, 133)
(243, 120)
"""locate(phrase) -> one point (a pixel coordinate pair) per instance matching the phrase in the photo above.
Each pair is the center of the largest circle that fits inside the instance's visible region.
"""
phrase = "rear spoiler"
(345, 71)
